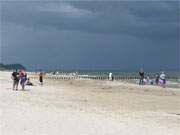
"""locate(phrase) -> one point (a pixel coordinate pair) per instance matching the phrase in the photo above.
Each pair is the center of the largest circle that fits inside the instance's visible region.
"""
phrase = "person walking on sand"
(141, 79)
(15, 78)
(41, 74)
(23, 78)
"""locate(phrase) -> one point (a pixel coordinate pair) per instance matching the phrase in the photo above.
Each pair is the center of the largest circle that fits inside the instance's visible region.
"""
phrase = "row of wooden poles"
(116, 77)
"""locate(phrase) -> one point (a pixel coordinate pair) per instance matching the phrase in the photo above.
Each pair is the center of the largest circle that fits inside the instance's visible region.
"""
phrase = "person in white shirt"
(163, 79)
(110, 76)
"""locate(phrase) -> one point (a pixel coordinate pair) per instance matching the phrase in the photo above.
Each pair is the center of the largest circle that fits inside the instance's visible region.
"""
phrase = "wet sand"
(88, 107)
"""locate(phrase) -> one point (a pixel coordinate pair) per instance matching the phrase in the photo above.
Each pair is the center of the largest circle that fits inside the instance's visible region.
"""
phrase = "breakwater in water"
(175, 76)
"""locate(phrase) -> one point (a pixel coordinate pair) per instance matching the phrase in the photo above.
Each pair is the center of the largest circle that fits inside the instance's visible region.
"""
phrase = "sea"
(172, 75)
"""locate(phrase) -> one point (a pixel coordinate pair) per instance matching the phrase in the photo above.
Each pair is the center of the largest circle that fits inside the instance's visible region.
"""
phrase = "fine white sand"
(79, 107)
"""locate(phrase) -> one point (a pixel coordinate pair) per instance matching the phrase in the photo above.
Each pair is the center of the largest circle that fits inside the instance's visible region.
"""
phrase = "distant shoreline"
(11, 67)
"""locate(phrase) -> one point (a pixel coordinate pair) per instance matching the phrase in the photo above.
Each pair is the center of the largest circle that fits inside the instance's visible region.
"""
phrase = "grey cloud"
(157, 19)
(121, 35)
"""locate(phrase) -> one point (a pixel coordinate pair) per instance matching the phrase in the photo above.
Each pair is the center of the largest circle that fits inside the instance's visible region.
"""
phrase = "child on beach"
(29, 82)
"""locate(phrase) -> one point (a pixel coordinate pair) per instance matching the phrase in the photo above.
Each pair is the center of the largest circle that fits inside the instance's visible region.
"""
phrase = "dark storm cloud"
(113, 35)
(144, 19)
(147, 19)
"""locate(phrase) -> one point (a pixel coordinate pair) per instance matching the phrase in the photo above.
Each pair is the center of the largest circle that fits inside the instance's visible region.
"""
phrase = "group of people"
(160, 79)
(21, 77)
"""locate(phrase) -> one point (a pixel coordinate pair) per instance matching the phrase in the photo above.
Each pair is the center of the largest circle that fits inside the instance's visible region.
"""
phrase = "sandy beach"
(88, 107)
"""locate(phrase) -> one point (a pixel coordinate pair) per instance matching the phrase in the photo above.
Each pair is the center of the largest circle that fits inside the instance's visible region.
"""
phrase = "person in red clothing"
(23, 78)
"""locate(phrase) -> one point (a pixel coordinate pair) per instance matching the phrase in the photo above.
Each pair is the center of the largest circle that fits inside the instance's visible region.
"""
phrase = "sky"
(108, 35)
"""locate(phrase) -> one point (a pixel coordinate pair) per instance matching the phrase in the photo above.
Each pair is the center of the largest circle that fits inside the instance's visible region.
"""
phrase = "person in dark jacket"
(157, 78)
(141, 75)
(41, 75)
(15, 78)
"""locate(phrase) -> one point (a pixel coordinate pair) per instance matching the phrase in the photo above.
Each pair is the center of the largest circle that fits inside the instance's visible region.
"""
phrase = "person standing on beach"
(163, 79)
(141, 74)
(157, 78)
(110, 77)
(15, 78)
(23, 78)
(41, 74)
